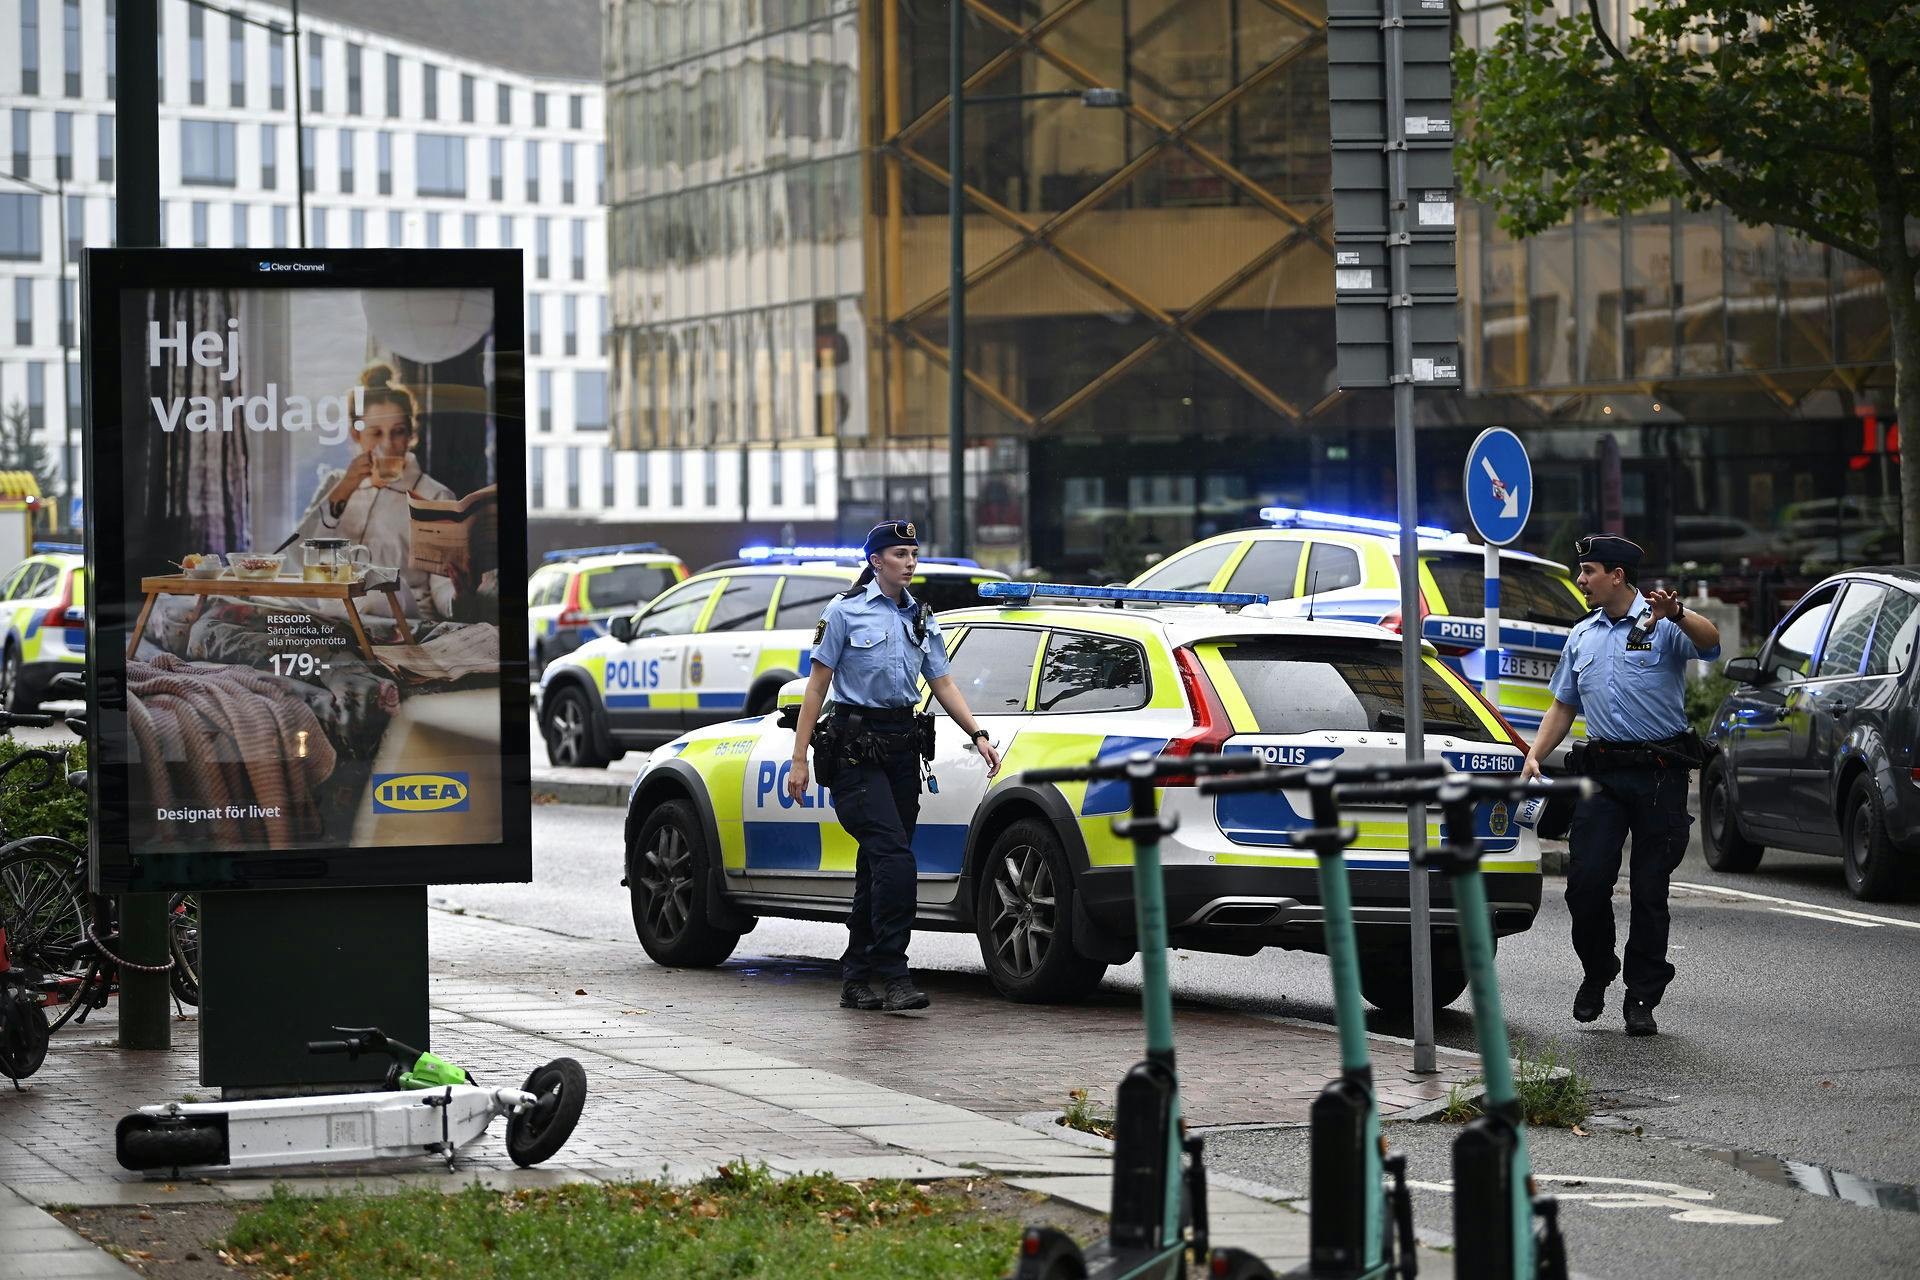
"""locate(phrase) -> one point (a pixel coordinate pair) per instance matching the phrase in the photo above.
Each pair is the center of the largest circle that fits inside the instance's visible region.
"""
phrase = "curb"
(569, 791)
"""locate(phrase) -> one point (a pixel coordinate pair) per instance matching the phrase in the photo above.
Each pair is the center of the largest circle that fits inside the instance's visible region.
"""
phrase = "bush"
(57, 810)
(1703, 700)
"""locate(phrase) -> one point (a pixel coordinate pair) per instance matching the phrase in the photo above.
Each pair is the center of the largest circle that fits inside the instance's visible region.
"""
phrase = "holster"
(923, 735)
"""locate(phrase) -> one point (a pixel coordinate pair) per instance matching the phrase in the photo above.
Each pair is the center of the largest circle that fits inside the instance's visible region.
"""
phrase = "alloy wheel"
(567, 732)
(666, 874)
(1023, 927)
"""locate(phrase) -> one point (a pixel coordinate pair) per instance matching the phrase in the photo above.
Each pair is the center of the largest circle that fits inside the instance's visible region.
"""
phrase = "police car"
(575, 592)
(1036, 872)
(1336, 566)
(43, 623)
(711, 648)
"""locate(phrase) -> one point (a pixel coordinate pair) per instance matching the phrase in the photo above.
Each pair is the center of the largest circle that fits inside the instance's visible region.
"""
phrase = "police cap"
(1607, 548)
(892, 533)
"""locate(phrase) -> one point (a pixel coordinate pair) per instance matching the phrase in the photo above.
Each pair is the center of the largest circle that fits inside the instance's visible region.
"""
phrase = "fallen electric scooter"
(1362, 1227)
(1494, 1199)
(429, 1107)
(1159, 1207)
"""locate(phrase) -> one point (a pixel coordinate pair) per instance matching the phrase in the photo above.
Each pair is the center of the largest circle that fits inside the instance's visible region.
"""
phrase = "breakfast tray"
(175, 584)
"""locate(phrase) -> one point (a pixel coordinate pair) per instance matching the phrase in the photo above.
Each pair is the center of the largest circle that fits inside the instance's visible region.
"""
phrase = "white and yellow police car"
(713, 840)
(714, 647)
(1348, 567)
(43, 623)
(576, 593)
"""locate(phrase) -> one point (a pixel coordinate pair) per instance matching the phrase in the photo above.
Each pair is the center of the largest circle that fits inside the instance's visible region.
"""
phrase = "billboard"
(305, 475)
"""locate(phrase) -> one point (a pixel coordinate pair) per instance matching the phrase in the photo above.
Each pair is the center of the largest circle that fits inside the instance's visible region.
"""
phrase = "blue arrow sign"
(1499, 485)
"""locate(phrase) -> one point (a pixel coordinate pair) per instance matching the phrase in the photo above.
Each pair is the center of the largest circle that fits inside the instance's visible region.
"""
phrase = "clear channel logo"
(292, 266)
(420, 793)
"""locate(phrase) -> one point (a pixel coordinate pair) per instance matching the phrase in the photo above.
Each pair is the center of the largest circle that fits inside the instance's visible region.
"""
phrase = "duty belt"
(878, 715)
(1667, 753)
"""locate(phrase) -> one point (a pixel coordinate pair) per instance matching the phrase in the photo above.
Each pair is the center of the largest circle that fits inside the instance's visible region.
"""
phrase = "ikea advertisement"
(307, 535)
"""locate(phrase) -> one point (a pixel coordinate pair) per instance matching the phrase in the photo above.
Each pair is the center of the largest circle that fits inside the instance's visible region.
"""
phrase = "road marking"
(1830, 919)
(1689, 1203)
(1790, 902)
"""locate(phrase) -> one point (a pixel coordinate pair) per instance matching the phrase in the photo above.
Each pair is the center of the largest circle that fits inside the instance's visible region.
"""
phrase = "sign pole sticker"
(1499, 486)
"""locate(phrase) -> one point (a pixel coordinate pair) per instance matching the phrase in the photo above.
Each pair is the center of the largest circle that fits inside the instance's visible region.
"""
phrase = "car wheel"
(567, 725)
(1386, 980)
(10, 690)
(667, 878)
(1024, 919)
(1873, 866)
(1726, 849)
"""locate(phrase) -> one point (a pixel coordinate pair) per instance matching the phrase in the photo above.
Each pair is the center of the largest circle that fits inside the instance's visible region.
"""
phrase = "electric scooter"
(1494, 1200)
(1361, 1228)
(23, 1022)
(430, 1106)
(1159, 1207)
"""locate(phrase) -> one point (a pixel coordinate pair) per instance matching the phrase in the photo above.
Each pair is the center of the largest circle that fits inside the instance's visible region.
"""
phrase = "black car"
(1815, 749)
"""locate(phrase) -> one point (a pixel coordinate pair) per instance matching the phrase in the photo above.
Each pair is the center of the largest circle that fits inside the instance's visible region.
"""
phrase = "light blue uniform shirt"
(866, 640)
(1627, 695)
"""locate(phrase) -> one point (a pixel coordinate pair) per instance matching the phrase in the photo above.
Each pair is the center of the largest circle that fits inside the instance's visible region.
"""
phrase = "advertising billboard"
(306, 485)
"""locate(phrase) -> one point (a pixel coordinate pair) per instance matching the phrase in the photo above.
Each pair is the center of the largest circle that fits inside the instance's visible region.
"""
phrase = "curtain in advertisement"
(200, 476)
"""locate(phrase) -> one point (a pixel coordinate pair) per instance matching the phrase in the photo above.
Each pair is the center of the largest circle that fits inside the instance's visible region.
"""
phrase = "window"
(1790, 654)
(674, 613)
(29, 46)
(346, 161)
(354, 97)
(579, 249)
(506, 232)
(269, 156)
(357, 227)
(63, 145)
(429, 91)
(533, 173)
(576, 111)
(809, 481)
(1192, 571)
(37, 396)
(710, 470)
(573, 478)
(803, 600)
(113, 54)
(396, 229)
(503, 104)
(1845, 651)
(546, 399)
(1269, 568)
(22, 311)
(104, 132)
(743, 602)
(440, 165)
(200, 224)
(607, 498)
(1893, 635)
(677, 479)
(542, 241)
(600, 325)
(998, 669)
(1091, 673)
(307, 158)
(196, 55)
(22, 143)
(69, 321)
(537, 478)
(433, 230)
(70, 45)
(1528, 592)
(599, 173)
(643, 480)
(539, 110)
(316, 73)
(467, 87)
(566, 172)
(570, 325)
(236, 62)
(777, 484)
(383, 144)
(536, 306)
(277, 70)
(318, 218)
(280, 226)
(470, 231)
(76, 227)
(393, 86)
(206, 152)
(590, 399)
(624, 586)
(496, 169)
(240, 215)
(1294, 686)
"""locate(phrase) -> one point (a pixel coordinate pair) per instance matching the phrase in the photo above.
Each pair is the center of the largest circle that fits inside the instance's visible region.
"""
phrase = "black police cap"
(1607, 548)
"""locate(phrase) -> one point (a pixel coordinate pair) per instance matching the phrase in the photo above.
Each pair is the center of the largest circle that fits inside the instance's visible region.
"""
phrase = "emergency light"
(802, 553)
(626, 548)
(1300, 518)
(1013, 591)
(71, 548)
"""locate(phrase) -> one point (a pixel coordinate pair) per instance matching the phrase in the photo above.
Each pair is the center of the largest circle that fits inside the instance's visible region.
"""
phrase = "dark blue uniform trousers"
(1651, 805)
(879, 804)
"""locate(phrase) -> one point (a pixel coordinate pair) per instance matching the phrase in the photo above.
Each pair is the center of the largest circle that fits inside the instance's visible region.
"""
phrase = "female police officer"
(873, 646)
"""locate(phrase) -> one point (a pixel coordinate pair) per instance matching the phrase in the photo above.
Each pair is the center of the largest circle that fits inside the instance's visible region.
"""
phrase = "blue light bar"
(625, 548)
(71, 548)
(1300, 518)
(802, 553)
(1066, 591)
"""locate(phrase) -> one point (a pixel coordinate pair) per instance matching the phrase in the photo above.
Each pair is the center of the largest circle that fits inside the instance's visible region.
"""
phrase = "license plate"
(1527, 668)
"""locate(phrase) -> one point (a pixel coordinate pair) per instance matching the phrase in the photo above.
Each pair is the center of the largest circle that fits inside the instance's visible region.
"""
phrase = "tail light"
(64, 614)
(572, 618)
(1392, 621)
(1211, 727)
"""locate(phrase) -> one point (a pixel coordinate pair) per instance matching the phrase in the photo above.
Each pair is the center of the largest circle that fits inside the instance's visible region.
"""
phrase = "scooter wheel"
(1236, 1264)
(1049, 1254)
(23, 1038)
(169, 1147)
(535, 1134)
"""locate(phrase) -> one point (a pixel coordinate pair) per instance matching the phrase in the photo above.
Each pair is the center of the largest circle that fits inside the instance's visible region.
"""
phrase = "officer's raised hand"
(1664, 604)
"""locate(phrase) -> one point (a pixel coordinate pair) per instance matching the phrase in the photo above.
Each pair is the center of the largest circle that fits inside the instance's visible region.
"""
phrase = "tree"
(19, 451)
(1804, 115)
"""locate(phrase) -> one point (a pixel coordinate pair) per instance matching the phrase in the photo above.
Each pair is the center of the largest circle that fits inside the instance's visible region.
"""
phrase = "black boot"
(1640, 1018)
(858, 995)
(902, 995)
(1591, 1000)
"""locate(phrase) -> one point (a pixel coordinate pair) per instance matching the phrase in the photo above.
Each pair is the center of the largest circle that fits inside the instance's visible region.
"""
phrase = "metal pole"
(1492, 643)
(1411, 627)
(145, 1021)
(299, 130)
(67, 321)
(956, 285)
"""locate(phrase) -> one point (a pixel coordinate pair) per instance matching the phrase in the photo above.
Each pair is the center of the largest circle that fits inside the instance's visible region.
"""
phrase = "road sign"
(1499, 486)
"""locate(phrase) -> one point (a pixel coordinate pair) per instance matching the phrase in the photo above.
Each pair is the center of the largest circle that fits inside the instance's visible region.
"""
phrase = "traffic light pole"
(956, 282)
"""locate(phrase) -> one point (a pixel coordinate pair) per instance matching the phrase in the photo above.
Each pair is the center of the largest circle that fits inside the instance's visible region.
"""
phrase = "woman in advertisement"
(367, 501)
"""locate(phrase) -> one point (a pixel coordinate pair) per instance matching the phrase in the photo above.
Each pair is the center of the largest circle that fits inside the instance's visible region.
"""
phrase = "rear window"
(803, 600)
(1317, 686)
(1091, 673)
(1528, 592)
(948, 591)
(625, 586)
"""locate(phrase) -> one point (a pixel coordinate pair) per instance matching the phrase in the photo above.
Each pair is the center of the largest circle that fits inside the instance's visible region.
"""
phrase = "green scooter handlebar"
(1145, 765)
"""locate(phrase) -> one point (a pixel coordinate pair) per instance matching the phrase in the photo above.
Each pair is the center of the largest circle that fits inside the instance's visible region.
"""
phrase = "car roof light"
(802, 553)
(1011, 592)
(70, 548)
(625, 548)
(1301, 518)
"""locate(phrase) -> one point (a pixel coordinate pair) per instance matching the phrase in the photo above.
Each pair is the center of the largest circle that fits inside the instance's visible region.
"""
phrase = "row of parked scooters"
(1362, 1212)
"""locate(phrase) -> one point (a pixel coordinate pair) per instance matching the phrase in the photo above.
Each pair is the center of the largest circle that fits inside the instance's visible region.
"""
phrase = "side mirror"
(787, 702)
(622, 627)
(1744, 671)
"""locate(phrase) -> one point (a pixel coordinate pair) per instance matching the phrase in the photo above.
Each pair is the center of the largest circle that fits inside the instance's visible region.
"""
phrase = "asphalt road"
(1790, 1030)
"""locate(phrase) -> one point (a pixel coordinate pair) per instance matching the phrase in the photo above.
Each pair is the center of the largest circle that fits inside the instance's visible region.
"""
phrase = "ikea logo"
(420, 793)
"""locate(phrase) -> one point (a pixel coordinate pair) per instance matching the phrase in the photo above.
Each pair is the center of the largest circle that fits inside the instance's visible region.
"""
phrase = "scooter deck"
(1105, 1261)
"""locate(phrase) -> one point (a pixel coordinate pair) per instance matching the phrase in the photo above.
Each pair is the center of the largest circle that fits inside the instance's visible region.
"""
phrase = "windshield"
(626, 586)
(1529, 592)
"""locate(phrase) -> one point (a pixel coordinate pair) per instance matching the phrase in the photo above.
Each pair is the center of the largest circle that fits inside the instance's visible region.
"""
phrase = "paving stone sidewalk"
(689, 1069)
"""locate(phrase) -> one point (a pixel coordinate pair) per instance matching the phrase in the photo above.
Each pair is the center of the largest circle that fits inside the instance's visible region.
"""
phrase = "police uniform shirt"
(867, 641)
(1628, 692)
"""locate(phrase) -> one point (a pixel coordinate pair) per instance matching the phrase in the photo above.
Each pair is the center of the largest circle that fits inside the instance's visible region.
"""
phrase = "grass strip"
(744, 1222)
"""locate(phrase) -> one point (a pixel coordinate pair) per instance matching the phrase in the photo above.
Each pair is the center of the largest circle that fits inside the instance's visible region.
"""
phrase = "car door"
(1838, 685)
(646, 685)
(1760, 731)
(725, 653)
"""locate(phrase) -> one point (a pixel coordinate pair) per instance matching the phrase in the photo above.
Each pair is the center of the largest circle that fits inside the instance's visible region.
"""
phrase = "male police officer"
(873, 647)
(1625, 666)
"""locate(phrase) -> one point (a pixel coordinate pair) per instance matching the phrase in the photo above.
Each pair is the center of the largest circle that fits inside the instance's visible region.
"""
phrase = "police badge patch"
(1497, 819)
(820, 631)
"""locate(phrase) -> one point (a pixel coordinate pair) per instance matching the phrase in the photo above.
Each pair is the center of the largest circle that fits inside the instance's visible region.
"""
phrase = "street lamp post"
(957, 256)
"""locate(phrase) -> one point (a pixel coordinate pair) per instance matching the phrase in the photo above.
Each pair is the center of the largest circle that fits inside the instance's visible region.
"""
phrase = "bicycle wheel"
(183, 944)
(43, 908)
